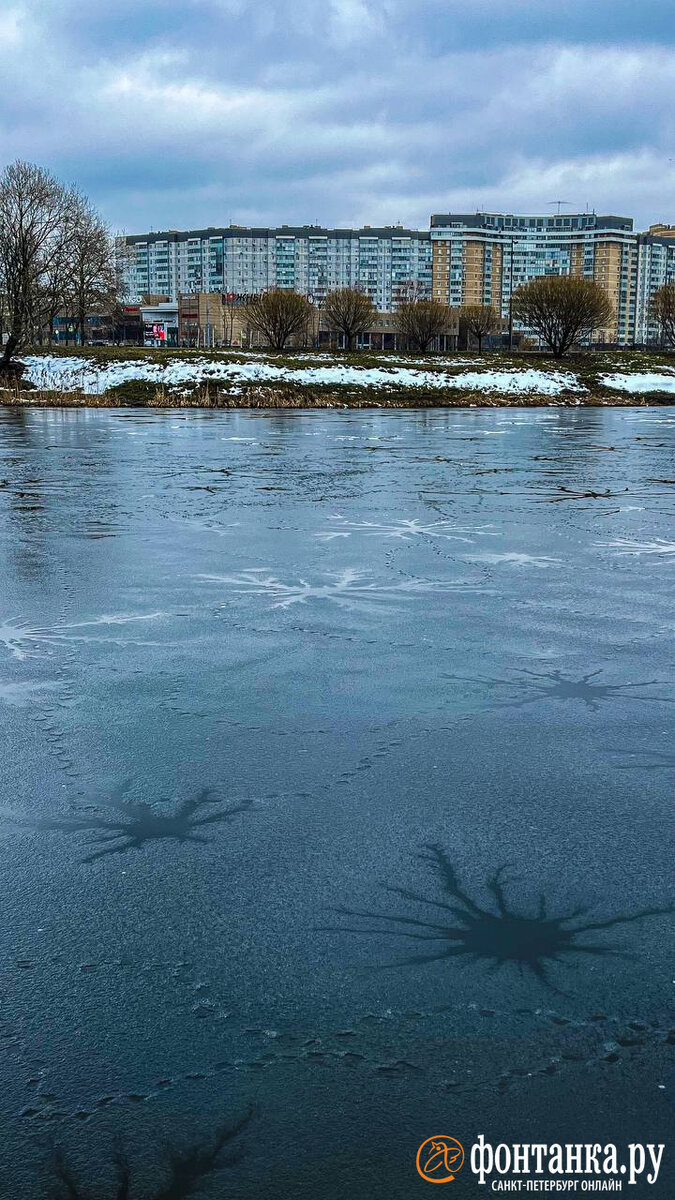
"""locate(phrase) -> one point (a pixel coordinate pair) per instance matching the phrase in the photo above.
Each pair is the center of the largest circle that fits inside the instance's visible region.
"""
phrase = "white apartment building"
(385, 263)
(655, 266)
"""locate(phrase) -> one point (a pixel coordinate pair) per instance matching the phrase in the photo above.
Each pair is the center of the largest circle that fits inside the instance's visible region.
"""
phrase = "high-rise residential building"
(655, 267)
(386, 263)
(465, 258)
(482, 258)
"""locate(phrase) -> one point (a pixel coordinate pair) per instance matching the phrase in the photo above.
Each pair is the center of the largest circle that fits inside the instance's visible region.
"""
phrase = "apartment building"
(385, 263)
(464, 258)
(482, 258)
(655, 267)
(664, 231)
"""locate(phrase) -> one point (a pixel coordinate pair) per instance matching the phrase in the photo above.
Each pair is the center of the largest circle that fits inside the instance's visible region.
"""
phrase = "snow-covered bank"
(259, 379)
(54, 373)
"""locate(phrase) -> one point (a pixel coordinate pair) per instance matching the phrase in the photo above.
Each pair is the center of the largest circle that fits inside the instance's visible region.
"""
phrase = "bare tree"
(349, 312)
(479, 320)
(111, 304)
(421, 321)
(561, 309)
(230, 303)
(51, 294)
(278, 314)
(662, 310)
(93, 265)
(34, 210)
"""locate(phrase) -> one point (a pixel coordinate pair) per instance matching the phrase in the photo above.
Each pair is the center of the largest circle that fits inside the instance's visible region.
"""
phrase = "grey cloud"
(351, 111)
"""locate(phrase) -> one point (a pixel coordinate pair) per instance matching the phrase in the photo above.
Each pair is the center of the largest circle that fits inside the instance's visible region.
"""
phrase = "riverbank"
(132, 377)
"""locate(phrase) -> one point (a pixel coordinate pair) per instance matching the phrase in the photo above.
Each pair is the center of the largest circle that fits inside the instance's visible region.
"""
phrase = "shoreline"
(305, 399)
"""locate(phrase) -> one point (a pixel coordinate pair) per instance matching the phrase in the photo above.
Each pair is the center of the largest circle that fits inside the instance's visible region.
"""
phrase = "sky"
(189, 113)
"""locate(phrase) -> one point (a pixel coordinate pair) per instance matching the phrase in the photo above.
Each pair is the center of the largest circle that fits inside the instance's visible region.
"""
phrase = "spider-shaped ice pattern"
(185, 1170)
(347, 589)
(22, 640)
(403, 530)
(139, 823)
(497, 935)
(557, 685)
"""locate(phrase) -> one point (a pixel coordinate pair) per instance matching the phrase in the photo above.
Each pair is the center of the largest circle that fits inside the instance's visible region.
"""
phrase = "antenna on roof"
(560, 203)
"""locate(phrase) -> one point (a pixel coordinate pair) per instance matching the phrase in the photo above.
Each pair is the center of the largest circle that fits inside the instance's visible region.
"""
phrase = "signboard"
(154, 331)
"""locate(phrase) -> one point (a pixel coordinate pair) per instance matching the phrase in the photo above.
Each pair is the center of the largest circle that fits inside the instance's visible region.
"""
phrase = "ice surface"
(277, 692)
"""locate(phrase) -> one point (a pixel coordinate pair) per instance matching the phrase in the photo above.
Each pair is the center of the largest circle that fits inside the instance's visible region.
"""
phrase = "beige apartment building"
(482, 258)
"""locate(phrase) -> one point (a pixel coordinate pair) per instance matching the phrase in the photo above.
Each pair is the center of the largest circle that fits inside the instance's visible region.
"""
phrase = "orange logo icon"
(440, 1158)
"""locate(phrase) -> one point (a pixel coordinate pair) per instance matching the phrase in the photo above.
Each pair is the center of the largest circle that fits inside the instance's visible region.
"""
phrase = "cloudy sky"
(172, 113)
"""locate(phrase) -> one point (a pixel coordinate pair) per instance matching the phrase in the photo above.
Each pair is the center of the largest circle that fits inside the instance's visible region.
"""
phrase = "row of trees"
(561, 309)
(57, 257)
(279, 315)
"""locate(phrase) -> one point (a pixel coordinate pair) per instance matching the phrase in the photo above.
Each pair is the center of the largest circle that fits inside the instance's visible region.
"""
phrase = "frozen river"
(337, 763)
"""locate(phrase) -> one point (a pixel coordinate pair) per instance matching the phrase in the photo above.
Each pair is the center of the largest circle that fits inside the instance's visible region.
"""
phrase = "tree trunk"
(11, 370)
(9, 348)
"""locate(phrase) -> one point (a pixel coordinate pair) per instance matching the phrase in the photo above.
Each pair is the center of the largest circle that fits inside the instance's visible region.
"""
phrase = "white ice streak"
(22, 640)
(116, 619)
(19, 694)
(624, 546)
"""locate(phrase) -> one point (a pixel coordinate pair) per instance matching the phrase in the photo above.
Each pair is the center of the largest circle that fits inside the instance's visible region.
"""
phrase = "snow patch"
(640, 383)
